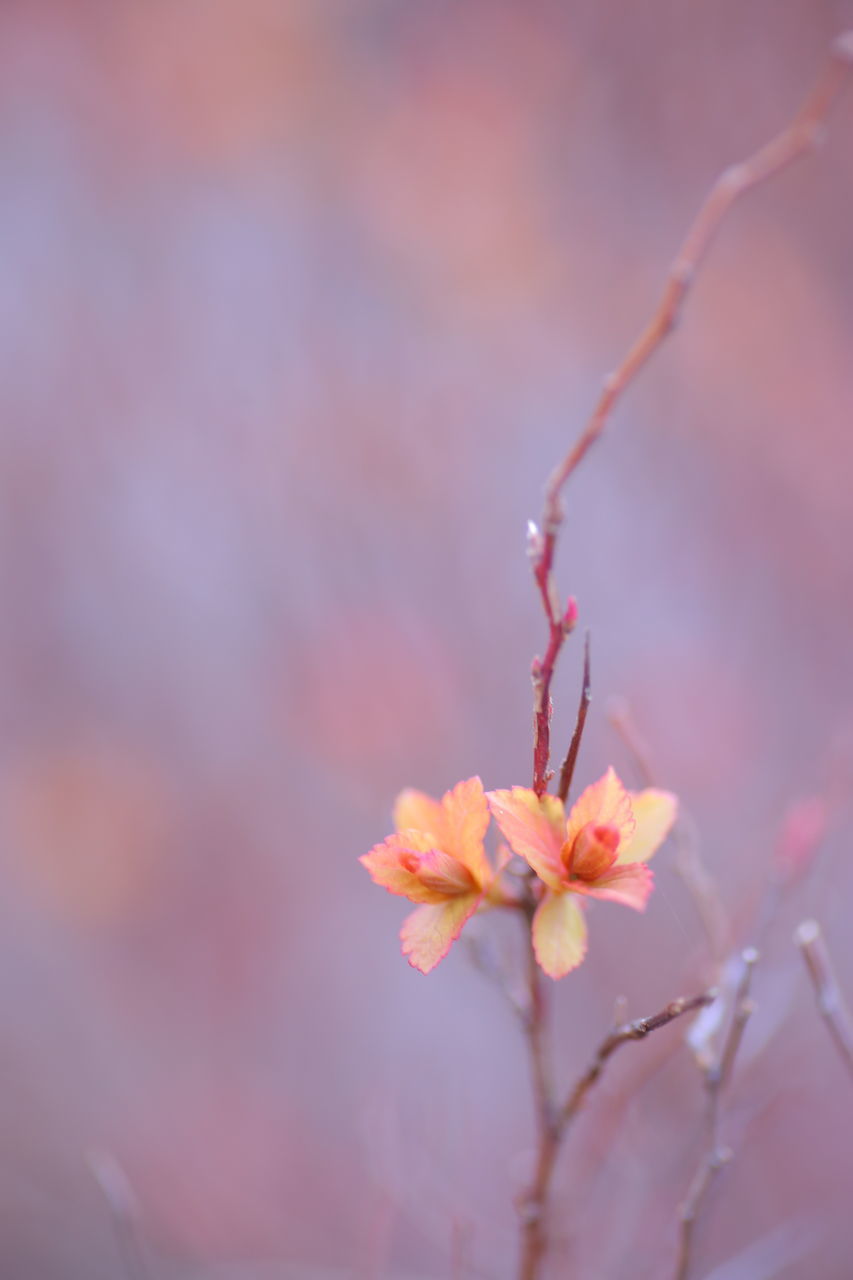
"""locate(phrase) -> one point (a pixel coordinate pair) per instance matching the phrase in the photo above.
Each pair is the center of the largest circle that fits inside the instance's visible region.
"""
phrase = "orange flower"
(437, 859)
(600, 851)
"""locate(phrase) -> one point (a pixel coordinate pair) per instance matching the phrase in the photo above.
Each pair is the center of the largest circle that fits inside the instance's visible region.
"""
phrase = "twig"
(484, 960)
(560, 625)
(636, 1030)
(533, 1205)
(716, 1074)
(830, 1001)
(537, 1027)
(798, 844)
(567, 772)
(460, 1240)
(121, 1203)
(689, 864)
(618, 712)
(798, 137)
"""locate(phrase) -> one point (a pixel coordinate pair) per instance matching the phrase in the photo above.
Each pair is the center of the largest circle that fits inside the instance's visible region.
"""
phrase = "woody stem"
(532, 1204)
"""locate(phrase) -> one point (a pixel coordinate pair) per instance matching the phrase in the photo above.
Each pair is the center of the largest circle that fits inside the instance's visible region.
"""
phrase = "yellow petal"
(559, 934)
(428, 932)
(415, 811)
(604, 803)
(466, 820)
(534, 828)
(654, 814)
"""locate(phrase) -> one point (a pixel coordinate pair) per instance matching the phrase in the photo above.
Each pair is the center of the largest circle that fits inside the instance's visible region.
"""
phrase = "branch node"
(828, 995)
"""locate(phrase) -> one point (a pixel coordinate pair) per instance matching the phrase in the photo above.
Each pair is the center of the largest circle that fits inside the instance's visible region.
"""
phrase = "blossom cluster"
(437, 859)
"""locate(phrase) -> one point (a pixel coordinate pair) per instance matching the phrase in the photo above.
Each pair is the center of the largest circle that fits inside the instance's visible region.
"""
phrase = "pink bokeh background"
(301, 301)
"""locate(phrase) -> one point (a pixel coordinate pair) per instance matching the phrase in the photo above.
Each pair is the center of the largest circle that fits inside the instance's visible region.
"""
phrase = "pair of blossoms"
(599, 850)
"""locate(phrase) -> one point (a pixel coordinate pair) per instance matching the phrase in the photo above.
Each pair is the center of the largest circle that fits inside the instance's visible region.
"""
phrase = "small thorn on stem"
(570, 617)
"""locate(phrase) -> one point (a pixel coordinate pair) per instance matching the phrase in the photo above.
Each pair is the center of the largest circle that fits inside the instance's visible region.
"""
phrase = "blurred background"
(301, 300)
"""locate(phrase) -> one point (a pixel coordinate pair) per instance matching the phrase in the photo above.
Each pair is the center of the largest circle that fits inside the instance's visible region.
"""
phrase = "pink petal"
(630, 885)
(604, 803)
(386, 863)
(534, 828)
(466, 817)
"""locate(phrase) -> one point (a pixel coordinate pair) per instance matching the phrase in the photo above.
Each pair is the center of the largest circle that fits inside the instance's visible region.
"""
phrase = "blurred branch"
(799, 841)
(716, 1072)
(798, 137)
(689, 864)
(532, 1204)
(554, 1122)
(486, 962)
(121, 1203)
(637, 1030)
(830, 1001)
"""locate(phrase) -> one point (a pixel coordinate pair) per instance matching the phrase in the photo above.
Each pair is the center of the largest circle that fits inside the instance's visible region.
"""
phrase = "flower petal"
(654, 814)
(415, 811)
(535, 829)
(629, 885)
(466, 820)
(559, 934)
(428, 932)
(605, 803)
(386, 862)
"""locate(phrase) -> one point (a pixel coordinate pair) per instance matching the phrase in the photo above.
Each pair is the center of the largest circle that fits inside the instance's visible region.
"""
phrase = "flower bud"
(593, 851)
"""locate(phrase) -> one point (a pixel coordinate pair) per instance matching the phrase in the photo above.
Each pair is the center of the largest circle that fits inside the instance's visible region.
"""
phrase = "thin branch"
(486, 962)
(618, 712)
(537, 1027)
(798, 137)
(636, 1030)
(542, 670)
(716, 1074)
(689, 864)
(830, 1001)
(460, 1241)
(567, 772)
(533, 1205)
(122, 1206)
(798, 844)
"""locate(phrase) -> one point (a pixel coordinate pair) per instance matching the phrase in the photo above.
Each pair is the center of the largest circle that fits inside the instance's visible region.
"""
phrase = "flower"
(436, 858)
(599, 851)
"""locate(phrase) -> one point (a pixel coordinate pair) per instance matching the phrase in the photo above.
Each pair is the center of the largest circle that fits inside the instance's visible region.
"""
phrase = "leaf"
(559, 934)
(654, 813)
(427, 934)
(535, 830)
